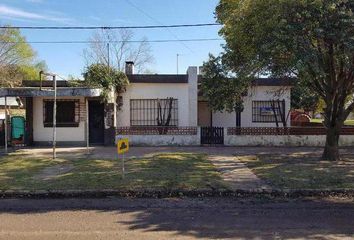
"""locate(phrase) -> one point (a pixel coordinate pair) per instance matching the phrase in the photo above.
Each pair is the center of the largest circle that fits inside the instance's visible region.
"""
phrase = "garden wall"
(157, 136)
(291, 137)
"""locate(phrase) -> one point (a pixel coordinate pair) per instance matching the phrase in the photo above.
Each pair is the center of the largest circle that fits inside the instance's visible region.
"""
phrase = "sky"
(67, 59)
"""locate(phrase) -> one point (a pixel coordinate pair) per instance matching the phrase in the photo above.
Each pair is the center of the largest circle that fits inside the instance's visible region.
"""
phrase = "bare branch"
(120, 49)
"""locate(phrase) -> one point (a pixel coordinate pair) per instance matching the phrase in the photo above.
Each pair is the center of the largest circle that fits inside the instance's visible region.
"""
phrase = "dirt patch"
(53, 172)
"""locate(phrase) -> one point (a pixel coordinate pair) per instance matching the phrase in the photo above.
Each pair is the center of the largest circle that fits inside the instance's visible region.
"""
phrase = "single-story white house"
(155, 109)
(82, 117)
(190, 110)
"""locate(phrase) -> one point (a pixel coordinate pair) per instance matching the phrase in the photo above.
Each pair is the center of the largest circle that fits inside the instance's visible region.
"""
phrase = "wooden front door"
(96, 122)
(204, 115)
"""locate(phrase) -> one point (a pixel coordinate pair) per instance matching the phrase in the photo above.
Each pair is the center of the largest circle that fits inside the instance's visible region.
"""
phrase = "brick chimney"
(129, 68)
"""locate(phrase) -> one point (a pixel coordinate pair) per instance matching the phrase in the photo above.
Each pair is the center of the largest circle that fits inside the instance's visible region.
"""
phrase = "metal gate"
(212, 135)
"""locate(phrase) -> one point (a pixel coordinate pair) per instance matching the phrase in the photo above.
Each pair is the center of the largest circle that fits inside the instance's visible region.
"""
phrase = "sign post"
(122, 148)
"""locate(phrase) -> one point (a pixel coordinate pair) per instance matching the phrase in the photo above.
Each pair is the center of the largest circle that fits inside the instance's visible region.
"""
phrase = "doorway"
(204, 114)
(96, 122)
(212, 135)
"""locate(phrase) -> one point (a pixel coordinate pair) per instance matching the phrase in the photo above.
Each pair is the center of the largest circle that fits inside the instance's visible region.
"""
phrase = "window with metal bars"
(145, 112)
(68, 113)
(263, 111)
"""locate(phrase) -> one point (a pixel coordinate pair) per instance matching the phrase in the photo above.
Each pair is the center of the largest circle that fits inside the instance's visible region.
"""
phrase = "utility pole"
(108, 55)
(6, 124)
(87, 127)
(177, 62)
(55, 117)
(54, 109)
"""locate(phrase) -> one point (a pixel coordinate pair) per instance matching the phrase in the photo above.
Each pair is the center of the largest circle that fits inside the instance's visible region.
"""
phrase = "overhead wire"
(109, 27)
(129, 41)
(158, 22)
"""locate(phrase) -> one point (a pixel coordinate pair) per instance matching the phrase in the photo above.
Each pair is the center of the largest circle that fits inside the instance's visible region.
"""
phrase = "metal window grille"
(144, 112)
(263, 111)
(68, 112)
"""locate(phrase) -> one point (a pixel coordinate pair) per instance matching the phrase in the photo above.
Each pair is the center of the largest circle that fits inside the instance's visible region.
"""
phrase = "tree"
(308, 39)
(106, 78)
(225, 91)
(13, 48)
(164, 114)
(221, 88)
(120, 49)
(302, 97)
(17, 59)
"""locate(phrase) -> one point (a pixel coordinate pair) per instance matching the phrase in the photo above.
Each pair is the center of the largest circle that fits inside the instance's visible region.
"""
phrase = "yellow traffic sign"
(123, 145)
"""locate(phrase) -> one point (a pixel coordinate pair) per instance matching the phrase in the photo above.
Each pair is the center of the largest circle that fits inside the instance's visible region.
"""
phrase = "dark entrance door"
(2, 132)
(96, 122)
(212, 135)
(238, 119)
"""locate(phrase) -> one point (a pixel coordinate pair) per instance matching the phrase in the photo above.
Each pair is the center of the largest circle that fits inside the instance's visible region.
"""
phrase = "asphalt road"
(209, 218)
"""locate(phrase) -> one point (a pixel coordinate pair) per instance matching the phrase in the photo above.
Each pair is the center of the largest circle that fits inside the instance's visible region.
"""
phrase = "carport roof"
(61, 92)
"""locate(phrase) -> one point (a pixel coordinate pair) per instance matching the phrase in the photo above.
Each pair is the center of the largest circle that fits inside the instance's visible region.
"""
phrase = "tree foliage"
(310, 39)
(302, 97)
(107, 78)
(17, 59)
(220, 88)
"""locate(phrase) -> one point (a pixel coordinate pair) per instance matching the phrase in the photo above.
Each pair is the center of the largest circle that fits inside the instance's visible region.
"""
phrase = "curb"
(260, 193)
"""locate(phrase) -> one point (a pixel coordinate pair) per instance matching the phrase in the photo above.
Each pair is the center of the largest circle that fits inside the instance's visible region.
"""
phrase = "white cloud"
(16, 13)
(35, 1)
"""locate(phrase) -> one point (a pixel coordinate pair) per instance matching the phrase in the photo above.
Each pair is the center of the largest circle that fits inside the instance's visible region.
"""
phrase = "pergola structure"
(28, 93)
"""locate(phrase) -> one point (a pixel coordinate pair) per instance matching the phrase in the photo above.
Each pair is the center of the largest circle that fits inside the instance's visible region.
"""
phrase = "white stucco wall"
(152, 91)
(42, 134)
(193, 95)
(257, 93)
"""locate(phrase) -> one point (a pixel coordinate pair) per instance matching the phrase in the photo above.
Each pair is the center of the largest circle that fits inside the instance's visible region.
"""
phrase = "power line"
(158, 22)
(132, 41)
(109, 27)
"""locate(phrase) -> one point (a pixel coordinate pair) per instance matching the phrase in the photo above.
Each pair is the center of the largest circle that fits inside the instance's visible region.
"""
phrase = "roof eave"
(61, 92)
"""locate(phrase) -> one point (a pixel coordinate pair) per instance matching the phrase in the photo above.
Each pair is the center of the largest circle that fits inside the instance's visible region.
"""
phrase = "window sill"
(61, 125)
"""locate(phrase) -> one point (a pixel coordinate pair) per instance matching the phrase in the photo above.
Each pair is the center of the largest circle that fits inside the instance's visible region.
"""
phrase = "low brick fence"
(284, 131)
(251, 136)
(157, 131)
(160, 136)
(291, 136)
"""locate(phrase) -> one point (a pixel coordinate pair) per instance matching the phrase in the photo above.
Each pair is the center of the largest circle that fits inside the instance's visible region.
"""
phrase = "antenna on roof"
(177, 62)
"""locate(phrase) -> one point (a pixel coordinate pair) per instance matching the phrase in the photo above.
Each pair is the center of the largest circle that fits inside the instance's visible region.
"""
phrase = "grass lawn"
(297, 171)
(180, 171)
(348, 122)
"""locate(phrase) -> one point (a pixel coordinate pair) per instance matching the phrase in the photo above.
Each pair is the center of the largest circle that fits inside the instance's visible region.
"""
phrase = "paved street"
(209, 218)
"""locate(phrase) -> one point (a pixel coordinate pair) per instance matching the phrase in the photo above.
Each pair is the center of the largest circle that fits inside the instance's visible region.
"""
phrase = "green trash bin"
(18, 129)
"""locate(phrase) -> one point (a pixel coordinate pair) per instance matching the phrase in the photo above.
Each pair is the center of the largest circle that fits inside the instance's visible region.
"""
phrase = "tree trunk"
(331, 150)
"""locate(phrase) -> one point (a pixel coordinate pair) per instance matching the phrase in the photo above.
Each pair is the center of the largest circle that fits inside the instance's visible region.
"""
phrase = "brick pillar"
(29, 121)
(193, 96)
